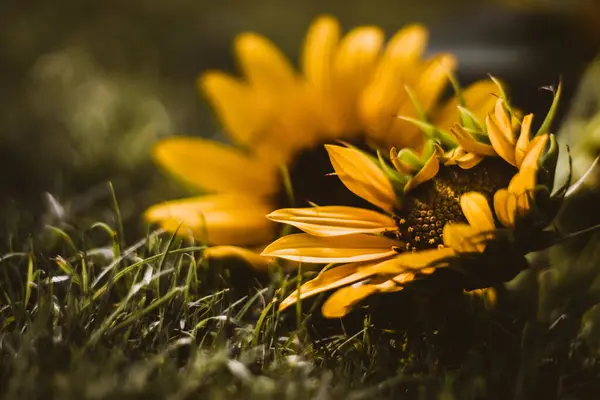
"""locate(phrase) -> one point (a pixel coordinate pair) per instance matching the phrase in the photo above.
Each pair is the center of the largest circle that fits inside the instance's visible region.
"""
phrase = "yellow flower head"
(450, 205)
(349, 87)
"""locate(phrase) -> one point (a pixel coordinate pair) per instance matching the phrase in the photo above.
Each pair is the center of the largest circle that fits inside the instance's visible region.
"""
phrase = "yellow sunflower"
(350, 87)
(435, 210)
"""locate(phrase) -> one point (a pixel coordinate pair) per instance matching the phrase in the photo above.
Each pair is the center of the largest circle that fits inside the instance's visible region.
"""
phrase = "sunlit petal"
(429, 170)
(502, 146)
(302, 247)
(409, 261)
(327, 280)
(227, 253)
(362, 177)
(470, 144)
(216, 219)
(505, 215)
(463, 238)
(215, 167)
(334, 220)
(477, 211)
(523, 141)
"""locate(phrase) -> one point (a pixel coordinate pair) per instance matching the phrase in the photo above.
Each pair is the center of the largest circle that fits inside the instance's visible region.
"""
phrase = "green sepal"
(416, 103)
(410, 158)
(433, 132)
(428, 150)
(481, 137)
(503, 95)
(469, 121)
(547, 163)
(392, 174)
(545, 128)
(457, 89)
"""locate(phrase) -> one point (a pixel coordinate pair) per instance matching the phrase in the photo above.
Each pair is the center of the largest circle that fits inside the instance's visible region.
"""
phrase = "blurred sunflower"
(436, 212)
(350, 87)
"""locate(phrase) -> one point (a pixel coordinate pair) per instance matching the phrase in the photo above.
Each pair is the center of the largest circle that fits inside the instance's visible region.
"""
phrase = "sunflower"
(350, 87)
(435, 210)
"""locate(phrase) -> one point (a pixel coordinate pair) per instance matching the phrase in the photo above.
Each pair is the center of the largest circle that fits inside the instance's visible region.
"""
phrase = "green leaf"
(545, 128)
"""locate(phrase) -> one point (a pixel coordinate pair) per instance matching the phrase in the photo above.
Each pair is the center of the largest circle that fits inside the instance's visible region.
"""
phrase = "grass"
(84, 315)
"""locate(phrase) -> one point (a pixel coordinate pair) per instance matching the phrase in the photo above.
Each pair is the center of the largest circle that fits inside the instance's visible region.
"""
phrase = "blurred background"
(87, 87)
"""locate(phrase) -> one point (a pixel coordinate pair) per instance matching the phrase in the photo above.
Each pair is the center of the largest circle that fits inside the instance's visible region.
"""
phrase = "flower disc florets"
(431, 205)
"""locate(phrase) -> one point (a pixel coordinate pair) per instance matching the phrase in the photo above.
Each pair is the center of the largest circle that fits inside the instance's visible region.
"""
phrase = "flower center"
(433, 204)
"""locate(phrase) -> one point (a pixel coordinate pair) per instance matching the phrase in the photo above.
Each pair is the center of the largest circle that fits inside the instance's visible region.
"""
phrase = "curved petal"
(409, 261)
(523, 183)
(343, 300)
(477, 211)
(216, 219)
(317, 64)
(379, 104)
(429, 85)
(503, 121)
(214, 166)
(225, 252)
(529, 166)
(503, 147)
(523, 141)
(302, 247)
(505, 215)
(477, 98)
(468, 142)
(234, 104)
(362, 177)
(463, 238)
(334, 220)
(263, 64)
(429, 170)
(468, 160)
(329, 279)
(353, 66)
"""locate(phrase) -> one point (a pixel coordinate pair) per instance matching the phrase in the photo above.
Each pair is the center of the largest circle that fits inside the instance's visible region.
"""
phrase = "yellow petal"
(343, 300)
(477, 211)
(523, 183)
(434, 80)
(520, 193)
(217, 219)
(463, 238)
(468, 160)
(353, 65)
(302, 247)
(264, 65)
(234, 104)
(505, 215)
(225, 253)
(214, 166)
(503, 121)
(525, 180)
(523, 141)
(326, 280)
(427, 89)
(502, 146)
(406, 277)
(317, 63)
(409, 261)
(379, 104)
(400, 166)
(334, 220)
(477, 98)
(468, 142)
(362, 177)
(429, 170)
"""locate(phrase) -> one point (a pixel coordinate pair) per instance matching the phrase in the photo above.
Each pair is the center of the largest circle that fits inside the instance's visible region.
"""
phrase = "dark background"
(86, 87)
